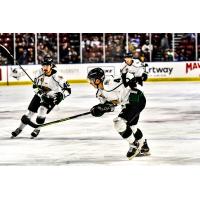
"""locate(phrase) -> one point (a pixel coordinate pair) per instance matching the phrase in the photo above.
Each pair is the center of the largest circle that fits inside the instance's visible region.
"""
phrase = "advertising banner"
(78, 72)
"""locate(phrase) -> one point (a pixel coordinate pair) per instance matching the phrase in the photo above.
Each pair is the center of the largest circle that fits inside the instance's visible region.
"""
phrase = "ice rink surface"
(170, 122)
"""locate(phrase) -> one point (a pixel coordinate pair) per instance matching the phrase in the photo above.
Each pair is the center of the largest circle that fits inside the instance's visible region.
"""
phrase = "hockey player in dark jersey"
(132, 101)
(50, 89)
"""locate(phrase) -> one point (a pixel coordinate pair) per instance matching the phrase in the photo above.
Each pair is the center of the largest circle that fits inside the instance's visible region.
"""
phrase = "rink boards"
(77, 73)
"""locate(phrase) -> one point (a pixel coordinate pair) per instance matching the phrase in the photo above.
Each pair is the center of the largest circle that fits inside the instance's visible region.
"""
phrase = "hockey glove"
(132, 83)
(144, 76)
(58, 98)
(128, 79)
(67, 88)
(38, 90)
(100, 109)
(47, 99)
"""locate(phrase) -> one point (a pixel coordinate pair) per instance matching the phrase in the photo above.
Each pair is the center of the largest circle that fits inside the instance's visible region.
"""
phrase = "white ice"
(170, 122)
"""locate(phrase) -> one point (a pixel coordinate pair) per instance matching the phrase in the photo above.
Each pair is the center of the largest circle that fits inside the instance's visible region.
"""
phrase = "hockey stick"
(26, 120)
(114, 88)
(11, 56)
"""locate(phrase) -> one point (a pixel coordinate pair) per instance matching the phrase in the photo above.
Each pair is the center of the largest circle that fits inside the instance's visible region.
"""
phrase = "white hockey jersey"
(136, 68)
(113, 91)
(50, 84)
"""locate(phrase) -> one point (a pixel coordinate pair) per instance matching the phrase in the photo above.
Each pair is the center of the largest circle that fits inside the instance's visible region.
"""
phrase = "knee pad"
(138, 134)
(27, 116)
(25, 119)
(119, 124)
(122, 128)
(40, 120)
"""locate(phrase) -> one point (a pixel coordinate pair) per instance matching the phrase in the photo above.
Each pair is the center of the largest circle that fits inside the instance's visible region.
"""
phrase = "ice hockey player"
(50, 89)
(110, 94)
(134, 66)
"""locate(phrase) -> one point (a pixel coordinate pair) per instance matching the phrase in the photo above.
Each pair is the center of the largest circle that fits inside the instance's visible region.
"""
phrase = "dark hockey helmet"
(96, 73)
(48, 61)
(128, 55)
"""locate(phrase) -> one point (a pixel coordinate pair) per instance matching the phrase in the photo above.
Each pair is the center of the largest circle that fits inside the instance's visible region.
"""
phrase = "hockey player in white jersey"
(133, 73)
(50, 89)
(134, 66)
(112, 93)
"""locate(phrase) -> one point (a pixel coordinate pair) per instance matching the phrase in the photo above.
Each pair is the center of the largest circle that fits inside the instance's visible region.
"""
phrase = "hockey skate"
(35, 133)
(145, 151)
(16, 133)
(134, 149)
